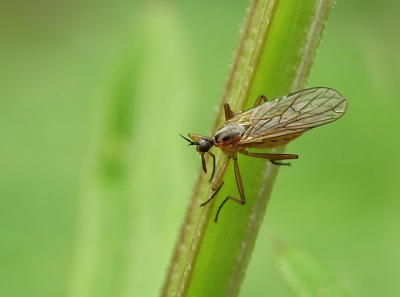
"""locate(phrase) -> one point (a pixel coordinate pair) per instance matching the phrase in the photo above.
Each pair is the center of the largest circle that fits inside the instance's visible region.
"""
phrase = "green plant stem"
(275, 54)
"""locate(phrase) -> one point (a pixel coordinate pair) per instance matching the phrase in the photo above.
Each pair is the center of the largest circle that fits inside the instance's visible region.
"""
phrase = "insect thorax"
(229, 135)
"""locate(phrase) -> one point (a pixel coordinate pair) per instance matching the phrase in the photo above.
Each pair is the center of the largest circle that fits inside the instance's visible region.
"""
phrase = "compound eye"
(204, 146)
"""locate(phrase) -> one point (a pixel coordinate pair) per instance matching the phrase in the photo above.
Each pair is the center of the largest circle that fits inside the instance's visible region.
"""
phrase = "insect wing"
(293, 113)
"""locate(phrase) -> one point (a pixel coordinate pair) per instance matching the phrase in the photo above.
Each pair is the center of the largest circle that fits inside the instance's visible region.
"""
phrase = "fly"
(267, 125)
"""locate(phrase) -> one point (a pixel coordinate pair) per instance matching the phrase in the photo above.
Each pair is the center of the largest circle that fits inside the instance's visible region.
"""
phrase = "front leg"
(218, 181)
(239, 184)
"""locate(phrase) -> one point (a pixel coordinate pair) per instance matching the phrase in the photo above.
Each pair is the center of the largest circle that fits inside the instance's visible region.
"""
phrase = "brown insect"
(268, 125)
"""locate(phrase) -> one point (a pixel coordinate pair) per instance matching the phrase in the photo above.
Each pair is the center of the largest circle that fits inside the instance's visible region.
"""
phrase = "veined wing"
(291, 114)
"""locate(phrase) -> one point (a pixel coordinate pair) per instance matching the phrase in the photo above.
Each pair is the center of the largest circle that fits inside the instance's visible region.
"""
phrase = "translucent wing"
(291, 114)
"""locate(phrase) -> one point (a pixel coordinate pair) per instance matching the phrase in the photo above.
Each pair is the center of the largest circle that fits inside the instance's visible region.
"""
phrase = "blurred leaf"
(125, 182)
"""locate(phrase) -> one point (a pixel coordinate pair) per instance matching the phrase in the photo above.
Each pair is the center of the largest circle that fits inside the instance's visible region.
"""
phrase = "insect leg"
(220, 175)
(280, 163)
(213, 195)
(272, 157)
(218, 181)
(228, 112)
(240, 188)
(259, 99)
(213, 171)
(203, 163)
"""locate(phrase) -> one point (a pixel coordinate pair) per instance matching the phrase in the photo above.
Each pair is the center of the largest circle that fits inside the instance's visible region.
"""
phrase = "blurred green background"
(62, 63)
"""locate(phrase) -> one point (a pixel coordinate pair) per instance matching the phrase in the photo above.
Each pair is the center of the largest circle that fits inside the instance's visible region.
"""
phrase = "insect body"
(268, 125)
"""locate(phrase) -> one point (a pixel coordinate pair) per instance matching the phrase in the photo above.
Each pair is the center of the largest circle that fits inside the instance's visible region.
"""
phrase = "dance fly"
(267, 125)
